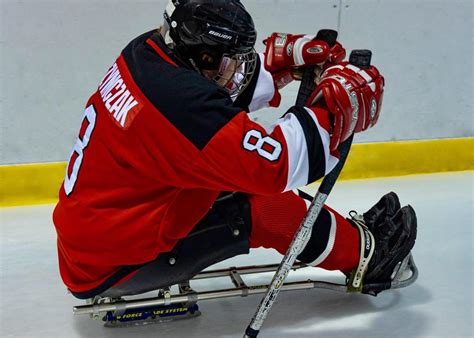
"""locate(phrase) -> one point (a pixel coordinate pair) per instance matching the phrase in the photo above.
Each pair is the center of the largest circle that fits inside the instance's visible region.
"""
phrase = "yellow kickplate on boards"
(25, 184)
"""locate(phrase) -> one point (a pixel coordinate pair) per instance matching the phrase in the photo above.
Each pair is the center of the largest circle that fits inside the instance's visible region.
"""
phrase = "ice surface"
(34, 303)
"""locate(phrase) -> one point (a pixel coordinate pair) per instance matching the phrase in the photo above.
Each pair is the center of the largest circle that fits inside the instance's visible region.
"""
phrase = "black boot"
(386, 207)
(386, 240)
(394, 240)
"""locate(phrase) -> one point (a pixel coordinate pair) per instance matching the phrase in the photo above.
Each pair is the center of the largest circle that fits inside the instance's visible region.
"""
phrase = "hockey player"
(169, 174)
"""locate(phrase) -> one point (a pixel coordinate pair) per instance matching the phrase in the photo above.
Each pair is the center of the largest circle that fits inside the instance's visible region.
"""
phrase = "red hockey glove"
(353, 96)
(336, 54)
(285, 53)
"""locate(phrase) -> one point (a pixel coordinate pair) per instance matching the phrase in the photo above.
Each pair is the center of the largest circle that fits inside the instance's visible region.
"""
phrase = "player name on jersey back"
(117, 98)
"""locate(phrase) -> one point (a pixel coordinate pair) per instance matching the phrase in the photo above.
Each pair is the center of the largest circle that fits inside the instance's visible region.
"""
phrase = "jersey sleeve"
(243, 156)
(294, 153)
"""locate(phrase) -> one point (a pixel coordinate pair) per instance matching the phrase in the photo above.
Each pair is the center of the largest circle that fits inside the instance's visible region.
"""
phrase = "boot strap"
(367, 248)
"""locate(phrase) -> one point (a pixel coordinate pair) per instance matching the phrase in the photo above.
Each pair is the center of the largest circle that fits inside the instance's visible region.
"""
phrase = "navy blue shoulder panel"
(196, 106)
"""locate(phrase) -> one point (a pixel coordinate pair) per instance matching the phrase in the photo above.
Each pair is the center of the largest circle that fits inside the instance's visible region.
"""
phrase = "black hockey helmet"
(206, 33)
(212, 27)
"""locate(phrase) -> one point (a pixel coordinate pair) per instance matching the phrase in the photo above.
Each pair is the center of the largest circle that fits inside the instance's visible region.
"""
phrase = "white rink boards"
(34, 302)
(420, 46)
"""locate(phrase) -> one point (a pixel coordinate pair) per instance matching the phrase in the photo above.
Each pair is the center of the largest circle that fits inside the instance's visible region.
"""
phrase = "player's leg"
(269, 221)
(333, 244)
(337, 243)
(237, 222)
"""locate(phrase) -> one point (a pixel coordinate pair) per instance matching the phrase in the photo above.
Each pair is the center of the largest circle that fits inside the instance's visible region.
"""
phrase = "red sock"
(334, 243)
(345, 253)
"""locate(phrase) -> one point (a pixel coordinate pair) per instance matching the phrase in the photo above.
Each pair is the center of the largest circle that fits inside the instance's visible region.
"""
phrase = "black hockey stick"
(359, 58)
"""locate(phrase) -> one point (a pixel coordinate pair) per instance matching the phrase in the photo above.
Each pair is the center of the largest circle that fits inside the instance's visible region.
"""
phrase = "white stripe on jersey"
(298, 162)
(331, 161)
(265, 89)
(298, 159)
(330, 243)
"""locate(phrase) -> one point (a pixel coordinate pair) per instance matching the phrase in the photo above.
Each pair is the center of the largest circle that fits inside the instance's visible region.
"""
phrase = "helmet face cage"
(236, 71)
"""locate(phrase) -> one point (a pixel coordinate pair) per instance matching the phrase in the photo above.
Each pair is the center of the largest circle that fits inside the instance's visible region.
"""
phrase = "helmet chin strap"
(165, 33)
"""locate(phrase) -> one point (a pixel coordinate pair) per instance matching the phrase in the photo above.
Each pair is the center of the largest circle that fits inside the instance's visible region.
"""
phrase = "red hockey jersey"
(157, 145)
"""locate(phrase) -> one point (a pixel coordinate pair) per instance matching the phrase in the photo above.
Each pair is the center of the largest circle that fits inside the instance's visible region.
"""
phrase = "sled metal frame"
(99, 306)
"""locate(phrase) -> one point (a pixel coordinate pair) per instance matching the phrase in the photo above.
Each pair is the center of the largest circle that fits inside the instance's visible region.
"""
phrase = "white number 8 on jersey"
(266, 147)
(75, 161)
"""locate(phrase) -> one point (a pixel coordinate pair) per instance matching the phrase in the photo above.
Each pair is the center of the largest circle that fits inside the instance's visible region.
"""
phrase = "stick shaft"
(297, 243)
(304, 231)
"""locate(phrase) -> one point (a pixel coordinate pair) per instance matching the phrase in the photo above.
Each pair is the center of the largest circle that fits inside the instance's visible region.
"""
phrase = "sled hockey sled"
(183, 304)
(215, 239)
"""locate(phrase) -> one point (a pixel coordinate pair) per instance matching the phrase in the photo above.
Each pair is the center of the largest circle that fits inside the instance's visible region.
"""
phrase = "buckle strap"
(367, 248)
